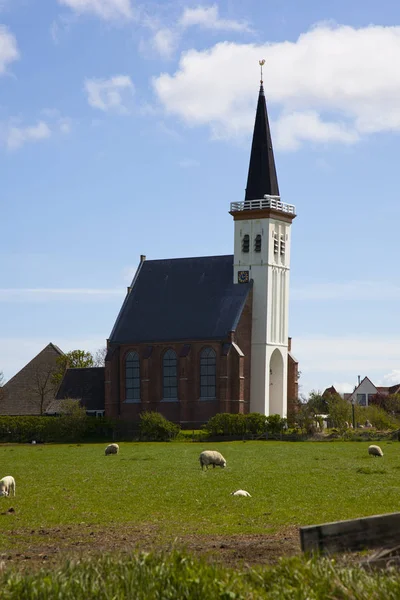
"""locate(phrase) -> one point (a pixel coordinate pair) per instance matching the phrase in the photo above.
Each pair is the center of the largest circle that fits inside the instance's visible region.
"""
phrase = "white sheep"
(212, 457)
(112, 449)
(375, 451)
(241, 493)
(7, 486)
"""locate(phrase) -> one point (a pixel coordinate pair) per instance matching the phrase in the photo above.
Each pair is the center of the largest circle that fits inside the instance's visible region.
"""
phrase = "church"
(200, 336)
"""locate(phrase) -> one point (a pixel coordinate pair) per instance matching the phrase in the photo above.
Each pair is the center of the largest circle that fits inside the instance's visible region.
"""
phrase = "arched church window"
(170, 375)
(257, 243)
(283, 245)
(246, 243)
(276, 243)
(132, 377)
(208, 373)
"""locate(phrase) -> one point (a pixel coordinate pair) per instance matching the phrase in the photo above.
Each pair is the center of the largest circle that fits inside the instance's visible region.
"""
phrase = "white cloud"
(15, 353)
(208, 17)
(343, 387)
(331, 85)
(348, 354)
(291, 130)
(392, 377)
(164, 42)
(349, 290)
(324, 360)
(105, 9)
(112, 94)
(14, 136)
(56, 294)
(8, 48)
(18, 136)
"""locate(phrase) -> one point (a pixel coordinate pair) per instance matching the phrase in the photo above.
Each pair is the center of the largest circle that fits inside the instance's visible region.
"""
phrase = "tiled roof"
(86, 384)
(181, 299)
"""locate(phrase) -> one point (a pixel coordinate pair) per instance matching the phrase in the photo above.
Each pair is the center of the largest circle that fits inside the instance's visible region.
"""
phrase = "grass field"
(162, 485)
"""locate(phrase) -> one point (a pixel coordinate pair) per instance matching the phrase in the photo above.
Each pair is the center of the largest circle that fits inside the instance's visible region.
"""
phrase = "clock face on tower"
(243, 277)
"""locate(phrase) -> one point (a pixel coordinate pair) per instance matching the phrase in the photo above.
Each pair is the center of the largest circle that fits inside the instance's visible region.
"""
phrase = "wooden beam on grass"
(356, 534)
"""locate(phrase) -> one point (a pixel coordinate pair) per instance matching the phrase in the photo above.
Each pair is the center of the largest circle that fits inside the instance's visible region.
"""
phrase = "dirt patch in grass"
(50, 546)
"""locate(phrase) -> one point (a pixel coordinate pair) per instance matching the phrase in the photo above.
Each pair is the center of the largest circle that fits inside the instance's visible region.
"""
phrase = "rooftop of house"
(85, 384)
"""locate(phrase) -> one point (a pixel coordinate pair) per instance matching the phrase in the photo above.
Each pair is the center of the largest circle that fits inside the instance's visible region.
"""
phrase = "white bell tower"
(262, 254)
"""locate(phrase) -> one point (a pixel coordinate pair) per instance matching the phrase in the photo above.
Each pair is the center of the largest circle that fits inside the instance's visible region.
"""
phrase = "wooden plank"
(355, 534)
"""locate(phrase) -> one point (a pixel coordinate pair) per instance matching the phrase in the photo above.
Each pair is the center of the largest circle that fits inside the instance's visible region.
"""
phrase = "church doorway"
(276, 383)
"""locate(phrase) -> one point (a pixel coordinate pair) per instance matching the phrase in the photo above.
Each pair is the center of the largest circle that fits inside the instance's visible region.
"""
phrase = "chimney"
(142, 258)
(289, 344)
(359, 380)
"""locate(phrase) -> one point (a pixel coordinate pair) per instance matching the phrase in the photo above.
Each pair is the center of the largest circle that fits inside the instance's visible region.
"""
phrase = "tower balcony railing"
(273, 202)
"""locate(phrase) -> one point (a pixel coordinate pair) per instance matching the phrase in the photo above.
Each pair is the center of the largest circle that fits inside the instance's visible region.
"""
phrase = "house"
(85, 385)
(366, 391)
(204, 335)
(32, 389)
(330, 391)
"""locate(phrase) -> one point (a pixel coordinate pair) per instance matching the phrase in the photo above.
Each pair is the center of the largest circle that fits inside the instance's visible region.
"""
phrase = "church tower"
(262, 254)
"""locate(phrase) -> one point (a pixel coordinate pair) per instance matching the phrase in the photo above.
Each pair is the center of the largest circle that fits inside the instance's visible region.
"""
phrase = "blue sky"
(125, 129)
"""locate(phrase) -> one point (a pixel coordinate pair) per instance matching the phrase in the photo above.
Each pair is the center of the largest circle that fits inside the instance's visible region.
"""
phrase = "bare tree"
(41, 386)
(99, 357)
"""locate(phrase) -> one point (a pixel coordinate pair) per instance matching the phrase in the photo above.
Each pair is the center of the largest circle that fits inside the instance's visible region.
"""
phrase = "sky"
(125, 129)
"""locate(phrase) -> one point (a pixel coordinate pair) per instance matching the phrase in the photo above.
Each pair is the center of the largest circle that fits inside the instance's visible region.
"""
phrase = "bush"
(227, 424)
(256, 423)
(66, 428)
(156, 428)
(275, 424)
(378, 417)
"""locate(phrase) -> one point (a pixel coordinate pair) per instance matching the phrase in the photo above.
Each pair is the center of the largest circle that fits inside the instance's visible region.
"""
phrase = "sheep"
(211, 457)
(112, 449)
(241, 493)
(7, 486)
(375, 451)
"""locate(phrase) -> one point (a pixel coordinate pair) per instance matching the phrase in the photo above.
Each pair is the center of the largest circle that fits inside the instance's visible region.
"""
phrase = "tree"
(340, 411)
(41, 387)
(317, 403)
(99, 358)
(78, 359)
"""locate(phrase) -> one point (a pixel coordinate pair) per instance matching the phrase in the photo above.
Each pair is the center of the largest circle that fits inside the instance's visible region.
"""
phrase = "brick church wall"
(233, 371)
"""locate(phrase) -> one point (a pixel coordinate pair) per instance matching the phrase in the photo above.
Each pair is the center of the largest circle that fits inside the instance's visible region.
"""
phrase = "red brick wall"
(292, 380)
(231, 386)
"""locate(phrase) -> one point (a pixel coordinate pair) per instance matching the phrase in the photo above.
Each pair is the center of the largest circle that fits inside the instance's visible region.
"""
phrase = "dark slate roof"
(262, 177)
(181, 299)
(87, 384)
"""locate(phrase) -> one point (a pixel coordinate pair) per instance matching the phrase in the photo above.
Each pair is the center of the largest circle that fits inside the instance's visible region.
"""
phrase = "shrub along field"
(162, 485)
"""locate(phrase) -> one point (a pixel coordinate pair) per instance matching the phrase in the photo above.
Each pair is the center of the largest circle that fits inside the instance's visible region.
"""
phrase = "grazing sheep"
(7, 486)
(375, 451)
(211, 457)
(367, 423)
(112, 449)
(241, 493)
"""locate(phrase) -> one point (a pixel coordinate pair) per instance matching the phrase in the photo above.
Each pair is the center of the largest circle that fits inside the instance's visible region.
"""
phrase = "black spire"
(262, 177)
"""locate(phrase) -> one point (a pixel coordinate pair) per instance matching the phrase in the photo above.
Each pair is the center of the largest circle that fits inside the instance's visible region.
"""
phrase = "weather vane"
(261, 63)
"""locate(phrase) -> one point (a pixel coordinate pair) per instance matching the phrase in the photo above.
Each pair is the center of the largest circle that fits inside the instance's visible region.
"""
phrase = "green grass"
(178, 576)
(162, 485)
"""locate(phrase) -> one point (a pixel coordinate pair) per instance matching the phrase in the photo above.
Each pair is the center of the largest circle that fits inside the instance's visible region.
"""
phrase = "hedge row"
(255, 424)
(55, 429)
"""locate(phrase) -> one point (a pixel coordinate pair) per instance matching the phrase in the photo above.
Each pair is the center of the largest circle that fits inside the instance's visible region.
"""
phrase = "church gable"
(181, 299)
